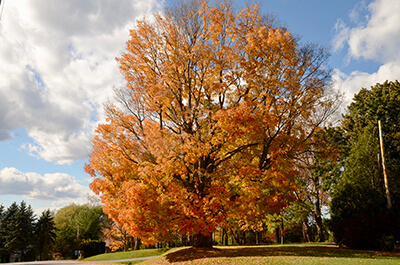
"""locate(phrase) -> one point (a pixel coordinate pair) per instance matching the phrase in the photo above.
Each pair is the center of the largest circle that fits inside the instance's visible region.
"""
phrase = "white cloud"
(58, 68)
(55, 187)
(357, 14)
(375, 37)
(342, 35)
(353, 82)
(66, 147)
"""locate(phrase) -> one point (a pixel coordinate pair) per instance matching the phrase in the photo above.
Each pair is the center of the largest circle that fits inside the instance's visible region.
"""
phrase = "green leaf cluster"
(78, 225)
(359, 198)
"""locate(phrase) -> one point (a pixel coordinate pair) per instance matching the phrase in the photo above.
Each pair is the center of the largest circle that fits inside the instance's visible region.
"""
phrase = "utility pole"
(389, 201)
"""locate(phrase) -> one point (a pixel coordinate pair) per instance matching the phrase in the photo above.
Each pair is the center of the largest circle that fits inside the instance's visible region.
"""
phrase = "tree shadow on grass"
(270, 251)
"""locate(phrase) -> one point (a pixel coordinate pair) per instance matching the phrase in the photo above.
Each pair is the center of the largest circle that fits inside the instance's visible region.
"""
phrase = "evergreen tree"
(2, 240)
(44, 234)
(6, 230)
(17, 229)
(360, 216)
(23, 233)
(380, 103)
(358, 202)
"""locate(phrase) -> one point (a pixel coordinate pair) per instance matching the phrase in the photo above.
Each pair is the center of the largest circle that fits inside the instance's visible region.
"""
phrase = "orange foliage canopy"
(216, 107)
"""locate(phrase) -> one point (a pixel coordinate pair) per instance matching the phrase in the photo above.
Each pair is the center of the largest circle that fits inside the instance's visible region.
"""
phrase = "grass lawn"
(296, 254)
(128, 254)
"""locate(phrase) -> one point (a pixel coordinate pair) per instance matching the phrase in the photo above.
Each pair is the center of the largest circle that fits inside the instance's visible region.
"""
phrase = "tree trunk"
(202, 241)
(306, 231)
(277, 235)
(320, 229)
(224, 238)
(257, 238)
(318, 219)
(137, 243)
(236, 235)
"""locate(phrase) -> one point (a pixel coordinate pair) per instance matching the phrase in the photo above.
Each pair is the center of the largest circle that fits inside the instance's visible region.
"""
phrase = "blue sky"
(57, 68)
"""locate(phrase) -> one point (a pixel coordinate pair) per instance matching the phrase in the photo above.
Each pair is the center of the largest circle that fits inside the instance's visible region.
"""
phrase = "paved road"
(48, 262)
(77, 262)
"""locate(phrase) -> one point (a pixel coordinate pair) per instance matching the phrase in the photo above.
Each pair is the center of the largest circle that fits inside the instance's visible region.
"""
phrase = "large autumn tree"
(216, 107)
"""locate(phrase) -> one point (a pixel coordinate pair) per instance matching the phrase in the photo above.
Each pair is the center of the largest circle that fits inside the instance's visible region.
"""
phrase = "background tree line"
(361, 214)
(52, 234)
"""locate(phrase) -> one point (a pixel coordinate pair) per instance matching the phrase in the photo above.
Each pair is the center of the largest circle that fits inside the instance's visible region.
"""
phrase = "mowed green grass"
(296, 254)
(128, 255)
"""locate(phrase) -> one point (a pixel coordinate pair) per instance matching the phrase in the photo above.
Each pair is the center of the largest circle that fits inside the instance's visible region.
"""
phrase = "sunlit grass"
(128, 255)
(296, 254)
